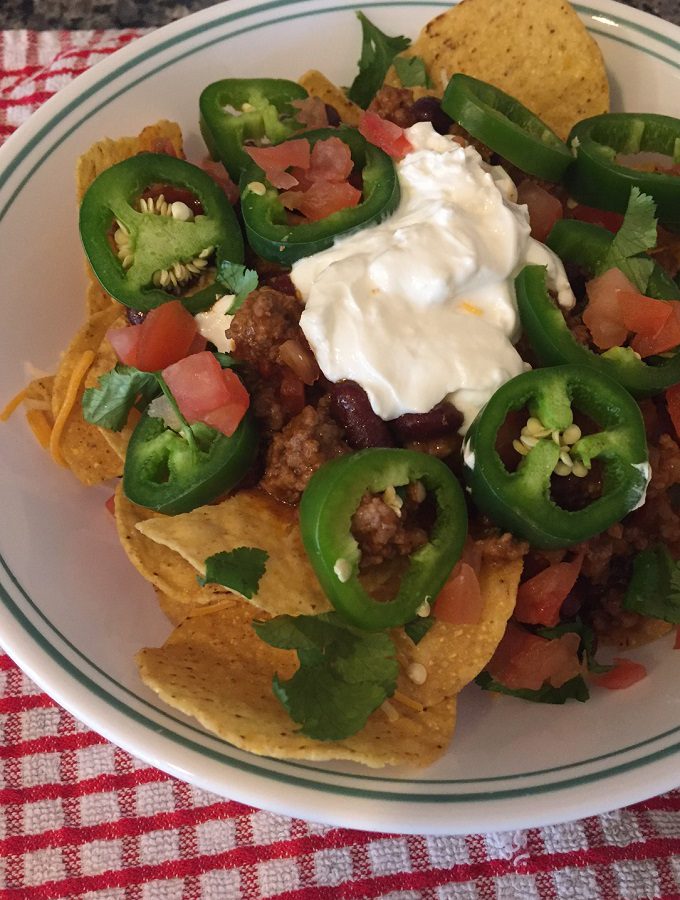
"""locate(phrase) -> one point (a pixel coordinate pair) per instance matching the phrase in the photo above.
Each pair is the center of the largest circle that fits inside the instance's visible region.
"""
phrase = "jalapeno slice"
(171, 474)
(597, 179)
(328, 504)
(521, 500)
(145, 254)
(506, 126)
(236, 110)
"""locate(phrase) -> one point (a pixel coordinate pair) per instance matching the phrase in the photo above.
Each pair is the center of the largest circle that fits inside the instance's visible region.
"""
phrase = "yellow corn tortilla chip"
(247, 519)
(167, 571)
(214, 667)
(317, 85)
(83, 447)
(538, 51)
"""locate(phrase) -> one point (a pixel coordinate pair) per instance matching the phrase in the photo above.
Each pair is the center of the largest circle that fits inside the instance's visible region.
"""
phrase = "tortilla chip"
(158, 138)
(538, 51)
(215, 668)
(164, 569)
(317, 85)
(83, 447)
(96, 298)
(247, 519)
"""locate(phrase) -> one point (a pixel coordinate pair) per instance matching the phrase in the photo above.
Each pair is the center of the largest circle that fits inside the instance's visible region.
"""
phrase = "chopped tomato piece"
(540, 599)
(331, 160)
(275, 160)
(642, 314)
(110, 504)
(384, 134)
(460, 600)
(544, 208)
(602, 316)
(526, 661)
(665, 338)
(321, 199)
(612, 221)
(165, 336)
(311, 112)
(206, 393)
(124, 342)
(624, 673)
(221, 177)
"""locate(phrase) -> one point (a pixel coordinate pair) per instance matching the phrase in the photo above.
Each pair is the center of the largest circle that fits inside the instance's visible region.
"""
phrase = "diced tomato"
(602, 316)
(275, 160)
(165, 336)
(386, 135)
(460, 600)
(124, 342)
(540, 599)
(198, 344)
(221, 177)
(206, 393)
(612, 221)
(642, 314)
(665, 338)
(321, 199)
(526, 661)
(110, 504)
(311, 112)
(331, 160)
(624, 673)
(544, 208)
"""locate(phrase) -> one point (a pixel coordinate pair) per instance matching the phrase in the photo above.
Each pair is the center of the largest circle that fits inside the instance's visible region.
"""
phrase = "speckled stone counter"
(43, 14)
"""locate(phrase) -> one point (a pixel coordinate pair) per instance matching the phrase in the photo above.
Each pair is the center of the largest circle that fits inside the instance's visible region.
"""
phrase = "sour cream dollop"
(421, 307)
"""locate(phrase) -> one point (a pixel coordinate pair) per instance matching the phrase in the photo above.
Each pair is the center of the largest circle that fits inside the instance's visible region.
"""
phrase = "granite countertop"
(46, 14)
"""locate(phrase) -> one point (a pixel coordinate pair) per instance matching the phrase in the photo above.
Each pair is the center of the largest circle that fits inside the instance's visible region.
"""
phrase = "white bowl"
(74, 612)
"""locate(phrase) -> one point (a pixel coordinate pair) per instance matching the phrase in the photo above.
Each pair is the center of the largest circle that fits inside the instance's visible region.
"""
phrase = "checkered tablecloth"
(80, 818)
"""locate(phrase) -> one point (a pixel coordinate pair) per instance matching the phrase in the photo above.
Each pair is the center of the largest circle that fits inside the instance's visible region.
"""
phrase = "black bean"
(135, 316)
(429, 109)
(441, 420)
(351, 408)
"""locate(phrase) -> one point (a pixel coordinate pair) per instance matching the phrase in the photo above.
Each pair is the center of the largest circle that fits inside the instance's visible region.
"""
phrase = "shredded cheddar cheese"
(405, 700)
(12, 405)
(77, 375)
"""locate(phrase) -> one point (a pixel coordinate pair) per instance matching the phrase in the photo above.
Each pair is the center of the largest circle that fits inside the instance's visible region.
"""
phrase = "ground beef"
(267, 318)
(382, 533)
(394, 104)
(310, 439)
(265, 401)
(608, 558)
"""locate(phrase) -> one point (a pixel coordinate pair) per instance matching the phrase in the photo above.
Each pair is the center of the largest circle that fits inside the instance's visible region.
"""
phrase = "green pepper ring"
(597, 180)
(506, 126)
(225, 133)
(162, 473)
(264, 216)
(328, 503)
(520, 501)
(110, 196)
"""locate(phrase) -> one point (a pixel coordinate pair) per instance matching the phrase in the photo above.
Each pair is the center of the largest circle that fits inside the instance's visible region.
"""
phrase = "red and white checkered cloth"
(80, 818)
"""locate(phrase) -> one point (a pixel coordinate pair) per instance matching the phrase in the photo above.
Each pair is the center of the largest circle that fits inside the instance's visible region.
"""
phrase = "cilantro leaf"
(377, 52)
(225, 359)
(240, 570)
(411, 71)
(587, 646)
(108, 405)
(417, 628)
(574, 689)
(636, 235)
(237, 280)
(345, 673)
(654, 587)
